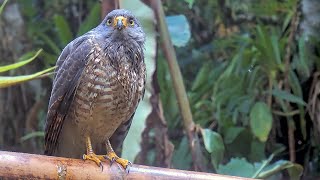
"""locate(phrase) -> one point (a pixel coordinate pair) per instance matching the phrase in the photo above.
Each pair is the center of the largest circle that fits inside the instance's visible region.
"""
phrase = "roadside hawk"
(99, 81)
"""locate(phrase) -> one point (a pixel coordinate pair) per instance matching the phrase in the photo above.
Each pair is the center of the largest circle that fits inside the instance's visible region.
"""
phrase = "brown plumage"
(98, 84)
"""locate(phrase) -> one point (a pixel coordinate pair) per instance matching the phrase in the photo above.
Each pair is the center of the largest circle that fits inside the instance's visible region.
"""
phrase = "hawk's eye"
(109, 22)
(131, 22)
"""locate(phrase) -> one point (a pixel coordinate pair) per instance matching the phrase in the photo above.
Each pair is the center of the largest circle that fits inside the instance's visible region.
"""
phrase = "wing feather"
(70, 66)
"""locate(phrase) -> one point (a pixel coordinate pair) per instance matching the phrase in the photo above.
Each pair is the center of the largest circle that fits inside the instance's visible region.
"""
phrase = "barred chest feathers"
(109, 90)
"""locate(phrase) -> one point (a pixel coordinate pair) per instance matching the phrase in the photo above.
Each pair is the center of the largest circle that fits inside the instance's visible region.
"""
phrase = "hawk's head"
(121, 25)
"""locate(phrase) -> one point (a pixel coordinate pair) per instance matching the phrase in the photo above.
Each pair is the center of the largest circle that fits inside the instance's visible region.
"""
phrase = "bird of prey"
(99, 81)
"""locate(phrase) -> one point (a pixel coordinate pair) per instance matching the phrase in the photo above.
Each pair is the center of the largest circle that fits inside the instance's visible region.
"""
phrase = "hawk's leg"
(112, 156)
(91, 155)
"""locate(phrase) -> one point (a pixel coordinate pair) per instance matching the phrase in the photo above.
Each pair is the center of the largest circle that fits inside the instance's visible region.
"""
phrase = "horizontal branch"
(31, 166)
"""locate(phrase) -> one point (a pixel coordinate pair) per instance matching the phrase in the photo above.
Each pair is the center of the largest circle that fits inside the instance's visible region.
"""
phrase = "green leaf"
(23, 61)
(261, 121)
(32, 135)
(232, 133)
(294, 169)
(264, 163)
(288, 96)
(2, 5)
(92, 20)
(6, 81)
(63, 29)
(131, 145)
(287, 21)
(276, 49)
(179, 30)
(214, 144)
(266, 45)
(237, 167)
(202, 77)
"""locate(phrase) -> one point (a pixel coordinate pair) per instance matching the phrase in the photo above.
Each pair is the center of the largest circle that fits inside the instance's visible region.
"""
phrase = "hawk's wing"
(70, 66)
(120, 134)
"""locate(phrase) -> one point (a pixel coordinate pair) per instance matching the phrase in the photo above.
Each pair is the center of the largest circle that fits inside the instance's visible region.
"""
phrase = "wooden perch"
(31, 166)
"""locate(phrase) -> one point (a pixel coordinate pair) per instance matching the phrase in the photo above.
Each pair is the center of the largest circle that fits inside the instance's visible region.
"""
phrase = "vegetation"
(250, 71)
(6, 81)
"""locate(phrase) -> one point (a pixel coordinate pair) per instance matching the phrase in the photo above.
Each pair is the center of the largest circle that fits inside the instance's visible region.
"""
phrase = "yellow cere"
(123, 19)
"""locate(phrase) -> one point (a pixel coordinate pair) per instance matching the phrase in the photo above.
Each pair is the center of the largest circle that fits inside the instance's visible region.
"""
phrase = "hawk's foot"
(114, 158)
(95, 158)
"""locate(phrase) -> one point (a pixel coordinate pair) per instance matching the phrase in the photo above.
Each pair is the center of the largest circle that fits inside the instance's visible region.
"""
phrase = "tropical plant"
(6, 81)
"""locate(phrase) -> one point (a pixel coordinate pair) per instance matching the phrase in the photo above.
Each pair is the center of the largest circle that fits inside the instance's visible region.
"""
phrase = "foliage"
(3, 5)
(260, 121)
(56, 32)
(6, 81)
(238, 91)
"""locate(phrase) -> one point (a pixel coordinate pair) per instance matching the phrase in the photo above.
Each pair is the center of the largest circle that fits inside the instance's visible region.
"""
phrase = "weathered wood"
(31, 166)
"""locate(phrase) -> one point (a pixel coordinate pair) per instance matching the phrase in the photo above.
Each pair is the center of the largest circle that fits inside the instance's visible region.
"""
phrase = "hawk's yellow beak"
(120, 22)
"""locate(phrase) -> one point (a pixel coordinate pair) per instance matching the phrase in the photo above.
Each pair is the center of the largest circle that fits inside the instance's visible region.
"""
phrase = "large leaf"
(25, 59)
(63, 29)
(179, 29)
(214, 144)
(131, 145)
(6, 81)
(237, 167)
(261, 121)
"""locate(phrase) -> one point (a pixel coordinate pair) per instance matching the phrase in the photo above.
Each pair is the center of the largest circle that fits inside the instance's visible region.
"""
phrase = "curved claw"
(95, 158)
(114, 158)
(128, 167)
(111, 159)
(101, 166)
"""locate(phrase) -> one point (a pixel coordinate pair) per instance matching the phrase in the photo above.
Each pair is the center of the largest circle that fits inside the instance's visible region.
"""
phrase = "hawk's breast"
(107, 95)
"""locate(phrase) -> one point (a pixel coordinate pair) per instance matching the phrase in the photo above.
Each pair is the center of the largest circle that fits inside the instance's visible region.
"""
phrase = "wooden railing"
(31, 166)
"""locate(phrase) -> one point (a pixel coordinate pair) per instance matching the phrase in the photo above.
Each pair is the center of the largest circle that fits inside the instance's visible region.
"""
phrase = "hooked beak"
(120, 22)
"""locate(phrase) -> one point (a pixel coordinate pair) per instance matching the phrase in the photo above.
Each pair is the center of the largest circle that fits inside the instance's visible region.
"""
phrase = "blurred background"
(251, 72)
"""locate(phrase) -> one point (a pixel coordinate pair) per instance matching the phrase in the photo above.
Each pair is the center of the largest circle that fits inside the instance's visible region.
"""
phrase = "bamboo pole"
(15, 165)
(179, 88)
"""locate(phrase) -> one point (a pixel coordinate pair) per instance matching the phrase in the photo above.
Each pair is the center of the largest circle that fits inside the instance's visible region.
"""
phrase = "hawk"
(98, 83)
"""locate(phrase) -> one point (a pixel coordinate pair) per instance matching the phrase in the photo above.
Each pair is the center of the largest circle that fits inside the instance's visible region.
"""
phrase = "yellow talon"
(93, 157)
(113, 157)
